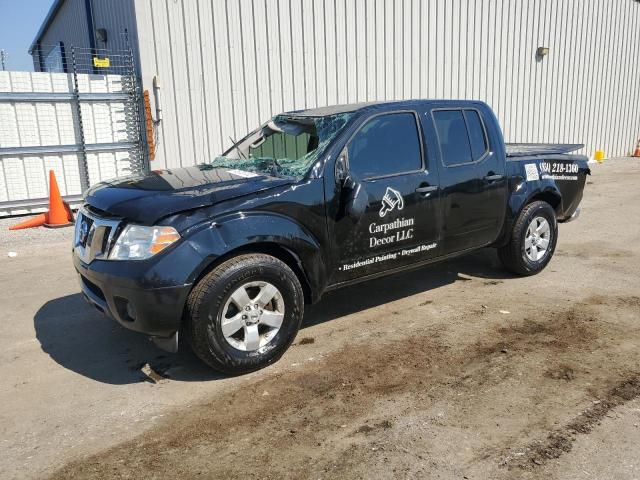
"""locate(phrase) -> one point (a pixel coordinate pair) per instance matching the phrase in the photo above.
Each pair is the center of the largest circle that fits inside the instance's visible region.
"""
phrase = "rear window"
(282, 146)
(461, 136)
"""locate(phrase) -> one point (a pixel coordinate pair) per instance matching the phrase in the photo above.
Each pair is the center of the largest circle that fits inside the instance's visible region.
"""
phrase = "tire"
(211, 313)
(518, 256)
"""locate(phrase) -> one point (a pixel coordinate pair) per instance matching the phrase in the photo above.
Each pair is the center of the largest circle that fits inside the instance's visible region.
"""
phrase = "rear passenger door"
(472, 179)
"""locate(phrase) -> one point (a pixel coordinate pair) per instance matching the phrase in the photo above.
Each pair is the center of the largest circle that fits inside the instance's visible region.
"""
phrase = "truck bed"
(531, 149)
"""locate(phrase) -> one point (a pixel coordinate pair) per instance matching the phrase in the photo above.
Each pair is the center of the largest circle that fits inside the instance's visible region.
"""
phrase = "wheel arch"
(517, 204)
(279, 251)
(513, 253)
(550, 196)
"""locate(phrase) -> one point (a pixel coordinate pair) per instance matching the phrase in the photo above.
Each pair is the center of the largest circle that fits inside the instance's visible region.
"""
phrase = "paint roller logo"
(391, 200)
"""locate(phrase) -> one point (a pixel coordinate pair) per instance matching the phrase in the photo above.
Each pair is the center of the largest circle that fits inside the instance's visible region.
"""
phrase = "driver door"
(388, 217)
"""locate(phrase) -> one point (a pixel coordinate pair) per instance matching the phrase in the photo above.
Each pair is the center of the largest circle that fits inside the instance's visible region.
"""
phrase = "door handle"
(493, 178)
(430, 189)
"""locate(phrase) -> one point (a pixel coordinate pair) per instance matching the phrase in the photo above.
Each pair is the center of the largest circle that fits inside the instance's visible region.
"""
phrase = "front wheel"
(245, 313)
(533, 240)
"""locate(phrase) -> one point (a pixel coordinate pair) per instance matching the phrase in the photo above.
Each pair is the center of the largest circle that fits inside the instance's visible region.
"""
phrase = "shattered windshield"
(287, 145)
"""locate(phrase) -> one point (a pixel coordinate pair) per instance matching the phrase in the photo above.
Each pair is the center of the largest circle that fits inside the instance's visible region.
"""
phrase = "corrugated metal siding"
(227, 65)
(118, 18)
(69, 26)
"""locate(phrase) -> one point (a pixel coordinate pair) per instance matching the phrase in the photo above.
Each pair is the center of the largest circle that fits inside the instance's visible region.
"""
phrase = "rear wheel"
(533, 240)
(245, 313)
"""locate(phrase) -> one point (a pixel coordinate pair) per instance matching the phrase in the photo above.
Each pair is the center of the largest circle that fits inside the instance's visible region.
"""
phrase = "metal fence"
(81, 117)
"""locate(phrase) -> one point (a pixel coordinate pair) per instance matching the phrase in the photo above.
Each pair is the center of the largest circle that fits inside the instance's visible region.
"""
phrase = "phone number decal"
(559, 170)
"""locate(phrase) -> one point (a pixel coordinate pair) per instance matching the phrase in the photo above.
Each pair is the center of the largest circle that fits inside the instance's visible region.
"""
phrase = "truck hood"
(148, 198)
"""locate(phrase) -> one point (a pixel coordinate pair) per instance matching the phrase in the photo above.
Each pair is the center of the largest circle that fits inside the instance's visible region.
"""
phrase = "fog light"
(131, 311)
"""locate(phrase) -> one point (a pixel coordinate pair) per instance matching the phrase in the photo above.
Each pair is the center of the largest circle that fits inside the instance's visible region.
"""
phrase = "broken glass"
(287, 145)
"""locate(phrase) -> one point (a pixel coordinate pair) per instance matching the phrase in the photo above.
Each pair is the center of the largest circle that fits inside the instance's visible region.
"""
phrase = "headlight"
(137, 242)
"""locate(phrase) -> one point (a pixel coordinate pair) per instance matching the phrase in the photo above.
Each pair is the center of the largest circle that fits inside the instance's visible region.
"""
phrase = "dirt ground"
(454, 371)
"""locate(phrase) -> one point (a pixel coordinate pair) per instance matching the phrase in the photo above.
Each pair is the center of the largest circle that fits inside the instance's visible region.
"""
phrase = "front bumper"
(126, 295)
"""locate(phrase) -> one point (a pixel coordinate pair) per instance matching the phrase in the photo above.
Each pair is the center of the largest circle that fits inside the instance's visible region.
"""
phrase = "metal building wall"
(69, 26)
(118, 18)
(226, 65)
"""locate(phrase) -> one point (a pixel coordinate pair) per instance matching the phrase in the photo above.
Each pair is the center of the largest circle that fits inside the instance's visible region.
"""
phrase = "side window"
(453, 138)
(477, 137)
(461, 135)
(386, 145)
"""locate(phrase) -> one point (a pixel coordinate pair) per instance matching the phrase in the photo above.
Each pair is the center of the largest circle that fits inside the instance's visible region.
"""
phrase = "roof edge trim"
(53, 11)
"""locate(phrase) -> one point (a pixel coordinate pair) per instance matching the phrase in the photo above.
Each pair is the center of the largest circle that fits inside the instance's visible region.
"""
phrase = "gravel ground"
(455, 371)
(20, 241)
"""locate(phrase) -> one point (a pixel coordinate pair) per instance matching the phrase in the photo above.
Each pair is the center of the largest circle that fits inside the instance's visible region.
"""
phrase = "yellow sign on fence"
(101, 62)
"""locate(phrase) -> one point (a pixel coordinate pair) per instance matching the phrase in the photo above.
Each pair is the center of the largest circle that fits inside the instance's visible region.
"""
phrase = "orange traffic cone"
(59, 214)
(36, 221)
(637, 152)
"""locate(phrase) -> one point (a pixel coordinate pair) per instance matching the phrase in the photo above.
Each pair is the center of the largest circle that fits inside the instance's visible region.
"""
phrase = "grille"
(94, 236)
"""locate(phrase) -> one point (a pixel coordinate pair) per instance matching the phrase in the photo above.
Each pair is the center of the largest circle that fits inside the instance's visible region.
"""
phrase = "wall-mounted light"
(101, 35)
(542, 52)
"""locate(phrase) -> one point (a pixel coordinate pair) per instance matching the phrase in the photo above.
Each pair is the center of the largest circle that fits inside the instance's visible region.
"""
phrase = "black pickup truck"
(227, 253)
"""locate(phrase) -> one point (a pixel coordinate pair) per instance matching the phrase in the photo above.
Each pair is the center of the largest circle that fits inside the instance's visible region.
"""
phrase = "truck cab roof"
(366, 106)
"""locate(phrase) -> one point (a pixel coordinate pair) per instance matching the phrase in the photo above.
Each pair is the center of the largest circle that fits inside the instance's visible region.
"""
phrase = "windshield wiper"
(269, 162)
(276, 163)
(235, 145)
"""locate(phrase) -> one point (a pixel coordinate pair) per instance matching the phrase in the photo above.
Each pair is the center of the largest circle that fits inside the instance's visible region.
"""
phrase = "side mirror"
(349, 183)
(354, 197)
(357, 200)
(341, 173)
